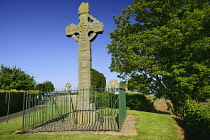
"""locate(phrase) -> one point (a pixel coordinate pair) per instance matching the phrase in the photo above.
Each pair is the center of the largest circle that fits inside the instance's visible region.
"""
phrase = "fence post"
(8, 100)
(122, 106)
(23, 120)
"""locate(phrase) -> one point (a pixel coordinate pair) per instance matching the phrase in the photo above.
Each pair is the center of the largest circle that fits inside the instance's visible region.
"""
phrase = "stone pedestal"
(90, 116)
(84, 117)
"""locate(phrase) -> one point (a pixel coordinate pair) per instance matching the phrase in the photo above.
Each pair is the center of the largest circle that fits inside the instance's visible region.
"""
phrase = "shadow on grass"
(182, 123)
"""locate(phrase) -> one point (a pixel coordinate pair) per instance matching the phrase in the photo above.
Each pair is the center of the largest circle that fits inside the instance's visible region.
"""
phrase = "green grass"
(47, 113)
(150, 126)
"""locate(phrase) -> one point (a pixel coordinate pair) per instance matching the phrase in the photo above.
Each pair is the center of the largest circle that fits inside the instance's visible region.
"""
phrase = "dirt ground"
(161, 106)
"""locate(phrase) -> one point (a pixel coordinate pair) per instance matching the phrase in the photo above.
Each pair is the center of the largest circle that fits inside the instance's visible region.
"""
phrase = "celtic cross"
(84, 33)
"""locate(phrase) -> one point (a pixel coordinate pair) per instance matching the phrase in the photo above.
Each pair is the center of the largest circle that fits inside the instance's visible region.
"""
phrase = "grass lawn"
(150, 126)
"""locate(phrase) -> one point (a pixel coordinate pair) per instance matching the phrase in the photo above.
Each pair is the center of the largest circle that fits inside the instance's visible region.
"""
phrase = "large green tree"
(98, 80)
(167, 44)
(15, 78)
(45, 86)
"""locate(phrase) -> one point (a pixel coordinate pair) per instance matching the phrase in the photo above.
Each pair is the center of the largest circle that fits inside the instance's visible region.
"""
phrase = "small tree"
(98, 80)
(15, 78)
(45, 86)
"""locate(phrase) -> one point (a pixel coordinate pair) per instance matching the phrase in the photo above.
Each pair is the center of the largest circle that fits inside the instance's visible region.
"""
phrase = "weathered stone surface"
(84, 33)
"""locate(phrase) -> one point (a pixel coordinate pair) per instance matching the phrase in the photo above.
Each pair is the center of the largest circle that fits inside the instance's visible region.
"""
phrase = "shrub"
(139, 102)
(197, 118)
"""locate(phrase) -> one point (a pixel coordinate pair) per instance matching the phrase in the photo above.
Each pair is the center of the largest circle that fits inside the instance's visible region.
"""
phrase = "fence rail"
(68, 110)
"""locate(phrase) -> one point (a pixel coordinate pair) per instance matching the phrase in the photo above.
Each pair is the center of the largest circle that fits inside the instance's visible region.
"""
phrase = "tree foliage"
(123, 83)
(141, 83)
(15, 78)
(98, 80)
(45, 86)
(166, 44)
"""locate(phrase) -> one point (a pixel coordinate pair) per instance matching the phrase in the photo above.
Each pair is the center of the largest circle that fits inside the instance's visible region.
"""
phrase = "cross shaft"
(84, 33)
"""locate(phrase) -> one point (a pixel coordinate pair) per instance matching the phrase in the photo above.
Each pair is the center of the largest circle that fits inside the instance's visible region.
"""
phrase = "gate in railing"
(59, 110)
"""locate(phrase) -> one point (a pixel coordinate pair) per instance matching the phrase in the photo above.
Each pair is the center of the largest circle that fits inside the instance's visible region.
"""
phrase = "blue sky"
(32, 37)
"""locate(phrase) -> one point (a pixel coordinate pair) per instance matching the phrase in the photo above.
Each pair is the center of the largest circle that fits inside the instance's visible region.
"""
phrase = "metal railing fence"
(68, 110)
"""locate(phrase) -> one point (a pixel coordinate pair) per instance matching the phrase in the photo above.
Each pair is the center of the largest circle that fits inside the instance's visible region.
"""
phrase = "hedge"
(197, 118)
(16, 103)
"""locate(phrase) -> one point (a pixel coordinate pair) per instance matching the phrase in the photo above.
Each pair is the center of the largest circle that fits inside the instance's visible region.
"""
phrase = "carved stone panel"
(84, 46)
(71, 29)
(84, 74)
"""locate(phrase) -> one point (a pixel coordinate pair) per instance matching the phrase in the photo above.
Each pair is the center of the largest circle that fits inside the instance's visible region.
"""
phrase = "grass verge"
(150, 126)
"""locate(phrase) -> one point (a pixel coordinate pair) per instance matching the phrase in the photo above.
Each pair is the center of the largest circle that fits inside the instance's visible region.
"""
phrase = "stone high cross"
(84, 33)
